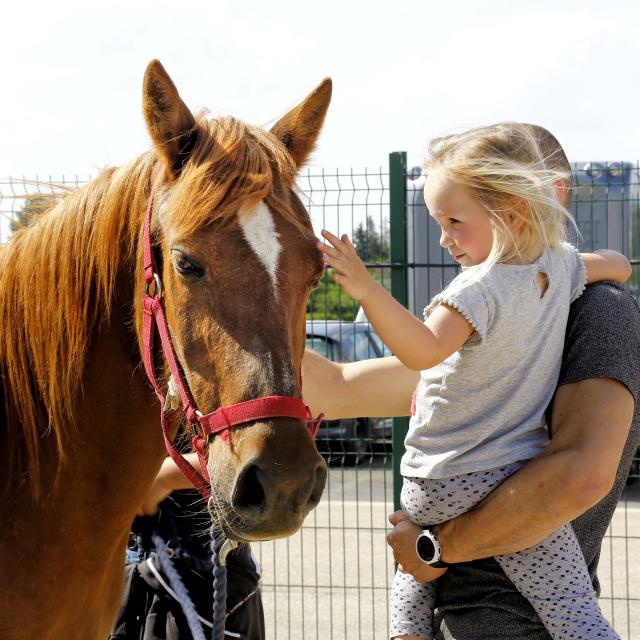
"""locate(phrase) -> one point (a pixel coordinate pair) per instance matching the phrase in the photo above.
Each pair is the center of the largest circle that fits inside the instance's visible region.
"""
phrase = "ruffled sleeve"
(576, 268)
(471, 299)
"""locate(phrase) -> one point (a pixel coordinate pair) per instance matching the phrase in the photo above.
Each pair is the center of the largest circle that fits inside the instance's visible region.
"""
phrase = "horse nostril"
(249, 494)
(318, 487)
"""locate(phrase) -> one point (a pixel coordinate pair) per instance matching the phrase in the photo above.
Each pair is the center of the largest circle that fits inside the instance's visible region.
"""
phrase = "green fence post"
(398, 230)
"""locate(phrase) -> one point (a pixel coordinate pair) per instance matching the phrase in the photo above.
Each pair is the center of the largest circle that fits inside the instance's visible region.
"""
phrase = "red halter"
(224, 418)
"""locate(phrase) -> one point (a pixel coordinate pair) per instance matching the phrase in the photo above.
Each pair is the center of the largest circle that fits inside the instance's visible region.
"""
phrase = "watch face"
(426, 547)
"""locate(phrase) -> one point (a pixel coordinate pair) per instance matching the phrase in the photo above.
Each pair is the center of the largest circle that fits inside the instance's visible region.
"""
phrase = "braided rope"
(182, 594)
(219, 591)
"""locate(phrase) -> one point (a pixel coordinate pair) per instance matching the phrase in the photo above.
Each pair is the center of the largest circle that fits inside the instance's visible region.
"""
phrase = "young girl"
(489, 353)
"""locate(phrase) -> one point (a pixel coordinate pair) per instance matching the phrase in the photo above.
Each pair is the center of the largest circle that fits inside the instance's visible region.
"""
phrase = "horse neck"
(86, 516)
(122, 446)
(113, 451)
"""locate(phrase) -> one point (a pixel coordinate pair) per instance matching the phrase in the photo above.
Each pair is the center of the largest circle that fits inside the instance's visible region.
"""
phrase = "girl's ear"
(516, 214)
(563, 192)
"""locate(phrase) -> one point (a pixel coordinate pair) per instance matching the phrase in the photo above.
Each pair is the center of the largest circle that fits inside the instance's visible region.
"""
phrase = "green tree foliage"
(370, 244)
(373, 248)
(329, 301)
(34, 206)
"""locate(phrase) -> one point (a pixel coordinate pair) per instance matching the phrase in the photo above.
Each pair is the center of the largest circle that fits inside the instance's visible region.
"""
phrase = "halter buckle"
(158, 286)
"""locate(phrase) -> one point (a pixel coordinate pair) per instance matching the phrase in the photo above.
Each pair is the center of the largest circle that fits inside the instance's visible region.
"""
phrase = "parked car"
(352, 438)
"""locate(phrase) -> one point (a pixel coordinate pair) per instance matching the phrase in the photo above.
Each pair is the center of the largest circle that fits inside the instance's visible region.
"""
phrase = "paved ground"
(331, 580)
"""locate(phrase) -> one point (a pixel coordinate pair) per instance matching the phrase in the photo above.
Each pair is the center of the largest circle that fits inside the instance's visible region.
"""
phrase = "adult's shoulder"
(603, 337)
(602, 299)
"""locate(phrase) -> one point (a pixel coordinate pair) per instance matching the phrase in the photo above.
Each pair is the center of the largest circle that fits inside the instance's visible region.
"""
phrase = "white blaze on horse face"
(260, 232)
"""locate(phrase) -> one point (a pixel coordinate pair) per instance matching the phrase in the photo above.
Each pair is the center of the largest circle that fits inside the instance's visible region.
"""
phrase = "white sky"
(403, 72)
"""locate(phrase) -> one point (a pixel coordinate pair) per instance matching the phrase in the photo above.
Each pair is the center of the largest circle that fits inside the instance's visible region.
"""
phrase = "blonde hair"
(501, 164)
(555, 158)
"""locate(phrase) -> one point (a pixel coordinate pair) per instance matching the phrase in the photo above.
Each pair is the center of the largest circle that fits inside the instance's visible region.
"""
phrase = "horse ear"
(299, 129)
(171, 125)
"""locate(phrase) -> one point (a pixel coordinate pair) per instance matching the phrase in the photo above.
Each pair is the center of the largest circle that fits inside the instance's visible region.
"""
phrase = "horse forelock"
(233, 166)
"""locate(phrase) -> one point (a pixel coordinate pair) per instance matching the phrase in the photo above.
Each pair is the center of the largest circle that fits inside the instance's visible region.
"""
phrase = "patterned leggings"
(552, 576)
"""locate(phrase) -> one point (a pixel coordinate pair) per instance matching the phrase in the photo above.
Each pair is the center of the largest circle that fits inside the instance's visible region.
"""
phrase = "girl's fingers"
(347, 241)
(339, 254)
(327, 235)
(328, 250)
(328, 260)
(335, 263)
(340, 244)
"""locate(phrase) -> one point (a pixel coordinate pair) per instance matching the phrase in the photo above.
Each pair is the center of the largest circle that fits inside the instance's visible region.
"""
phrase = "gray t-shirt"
(484, 406)
(476, 600)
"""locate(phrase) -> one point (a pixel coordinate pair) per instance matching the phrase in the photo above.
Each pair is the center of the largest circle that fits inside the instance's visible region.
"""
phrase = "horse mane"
(57, 277)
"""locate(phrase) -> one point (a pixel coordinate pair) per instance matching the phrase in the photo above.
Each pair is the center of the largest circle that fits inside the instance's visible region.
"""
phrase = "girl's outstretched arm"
(606, 264)
(418, 346)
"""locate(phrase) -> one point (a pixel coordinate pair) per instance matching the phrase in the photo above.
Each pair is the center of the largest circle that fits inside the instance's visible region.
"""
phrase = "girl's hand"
(606, 264)
(352, 275)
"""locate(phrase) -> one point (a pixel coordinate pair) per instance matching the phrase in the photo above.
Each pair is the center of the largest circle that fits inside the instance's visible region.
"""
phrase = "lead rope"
(219, 561)
(178, 591)
(182, 595)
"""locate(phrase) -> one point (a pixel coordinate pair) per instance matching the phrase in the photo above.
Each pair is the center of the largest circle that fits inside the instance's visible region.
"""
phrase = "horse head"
(238, 260)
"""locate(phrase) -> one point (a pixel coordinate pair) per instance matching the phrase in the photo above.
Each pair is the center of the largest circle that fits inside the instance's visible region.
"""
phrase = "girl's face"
(466, 227)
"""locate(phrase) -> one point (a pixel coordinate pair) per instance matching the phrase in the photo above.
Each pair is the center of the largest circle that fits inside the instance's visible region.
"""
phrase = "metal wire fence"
(332, 579)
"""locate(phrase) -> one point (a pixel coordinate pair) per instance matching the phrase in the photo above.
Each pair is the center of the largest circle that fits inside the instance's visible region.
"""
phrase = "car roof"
(334, 328)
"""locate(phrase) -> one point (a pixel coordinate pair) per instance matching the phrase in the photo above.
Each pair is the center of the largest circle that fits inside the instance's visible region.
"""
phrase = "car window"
(363, 348)
(321, 345)
(382, 347)
(346, 346)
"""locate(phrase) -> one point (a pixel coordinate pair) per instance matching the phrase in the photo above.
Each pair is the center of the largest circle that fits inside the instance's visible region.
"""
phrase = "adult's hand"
(402, 540)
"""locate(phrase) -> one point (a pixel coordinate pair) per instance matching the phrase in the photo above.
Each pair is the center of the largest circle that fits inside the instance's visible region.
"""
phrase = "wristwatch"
(428, 549)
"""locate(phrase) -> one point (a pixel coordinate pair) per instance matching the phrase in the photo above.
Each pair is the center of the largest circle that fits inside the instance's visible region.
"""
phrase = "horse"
(79, 428)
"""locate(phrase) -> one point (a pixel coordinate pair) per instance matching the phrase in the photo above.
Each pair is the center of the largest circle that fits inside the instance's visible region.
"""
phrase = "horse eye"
(184, 266)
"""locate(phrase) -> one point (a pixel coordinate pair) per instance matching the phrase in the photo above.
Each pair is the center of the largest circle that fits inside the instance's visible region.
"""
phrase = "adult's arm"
(168, 479)
(591, 421)
(378, 387)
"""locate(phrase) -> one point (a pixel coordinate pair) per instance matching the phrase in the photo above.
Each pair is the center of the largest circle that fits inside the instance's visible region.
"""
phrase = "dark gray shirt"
(476, 601)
